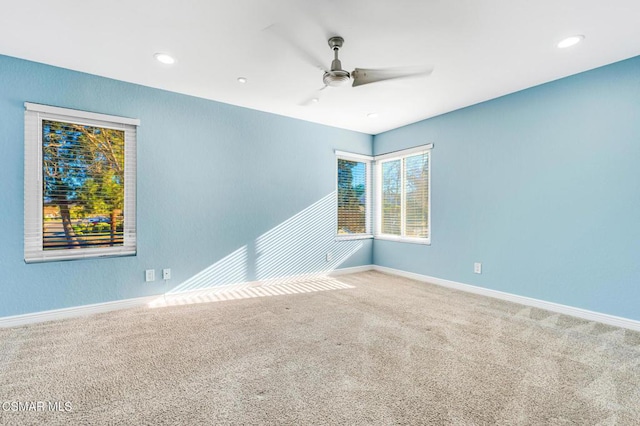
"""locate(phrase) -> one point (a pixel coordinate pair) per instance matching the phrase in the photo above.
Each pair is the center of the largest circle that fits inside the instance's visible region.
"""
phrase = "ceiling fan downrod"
(337, 76)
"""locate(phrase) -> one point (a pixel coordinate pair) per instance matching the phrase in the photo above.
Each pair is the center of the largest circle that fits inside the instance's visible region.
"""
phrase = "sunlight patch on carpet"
(250, 290)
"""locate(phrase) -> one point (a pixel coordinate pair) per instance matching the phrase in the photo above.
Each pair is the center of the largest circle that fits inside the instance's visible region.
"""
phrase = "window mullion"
(403, 198)
(368, 202)
(377, 193)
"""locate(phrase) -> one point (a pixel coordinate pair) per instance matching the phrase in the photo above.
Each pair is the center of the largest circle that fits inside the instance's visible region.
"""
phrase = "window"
(80, 180)
(354, 196)
(403, 200)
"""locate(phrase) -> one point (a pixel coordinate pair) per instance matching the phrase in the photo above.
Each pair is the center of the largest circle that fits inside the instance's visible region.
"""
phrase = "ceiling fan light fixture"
(336, 78)
(570, 41)
(164, 58)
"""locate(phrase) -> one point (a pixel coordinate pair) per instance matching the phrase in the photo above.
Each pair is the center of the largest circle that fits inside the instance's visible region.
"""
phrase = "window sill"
(354, 237)
(71, 255)
(410, 240)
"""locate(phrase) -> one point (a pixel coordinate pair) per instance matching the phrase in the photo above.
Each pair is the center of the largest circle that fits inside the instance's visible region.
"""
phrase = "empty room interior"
(330, 212)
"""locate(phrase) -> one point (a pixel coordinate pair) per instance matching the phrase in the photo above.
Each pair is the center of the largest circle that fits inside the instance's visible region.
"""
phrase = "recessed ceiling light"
(372, 115)
(570, 41)
(164, 58)
(242, 80)
(314, 100)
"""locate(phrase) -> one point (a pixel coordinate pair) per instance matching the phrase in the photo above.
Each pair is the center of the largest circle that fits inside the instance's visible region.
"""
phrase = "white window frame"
(393, 156)
(33, 182)
(368, 160)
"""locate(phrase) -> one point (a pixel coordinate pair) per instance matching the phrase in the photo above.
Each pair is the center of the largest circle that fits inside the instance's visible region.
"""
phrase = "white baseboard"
(57, 314)
(527, 301)
(352, 270)
(77, 311)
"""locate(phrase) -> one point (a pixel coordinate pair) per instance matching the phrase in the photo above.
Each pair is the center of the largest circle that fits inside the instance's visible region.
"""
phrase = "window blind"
(392, 197)
(416, 196)
(403, 210)
(80, 172)
(353, 197)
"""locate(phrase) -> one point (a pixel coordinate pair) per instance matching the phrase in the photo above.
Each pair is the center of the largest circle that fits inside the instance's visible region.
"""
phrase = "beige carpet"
(386, 351)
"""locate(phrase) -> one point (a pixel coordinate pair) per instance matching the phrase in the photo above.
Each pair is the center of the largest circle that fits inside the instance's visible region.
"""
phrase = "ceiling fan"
(336, 76)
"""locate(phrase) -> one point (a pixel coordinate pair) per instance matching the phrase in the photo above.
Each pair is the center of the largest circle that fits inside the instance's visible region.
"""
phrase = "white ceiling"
(479, 49)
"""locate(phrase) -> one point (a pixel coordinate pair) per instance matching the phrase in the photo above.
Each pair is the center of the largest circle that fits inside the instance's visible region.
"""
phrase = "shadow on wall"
(297, 246)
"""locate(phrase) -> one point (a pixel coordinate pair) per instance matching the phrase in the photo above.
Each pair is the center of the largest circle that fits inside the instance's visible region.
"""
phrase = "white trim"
(80, 254)
(369, 194)
(351, 270)
(76, 311)
(349, 237)
(80, 114)
(351, 155)
(400, 156)
(83, 310)
(522, 300)
(33, 182)
(377, 198)
(400, 239)
(403, 197)
(368, 215)
(429, 187)
(403, 152)
(58, 314)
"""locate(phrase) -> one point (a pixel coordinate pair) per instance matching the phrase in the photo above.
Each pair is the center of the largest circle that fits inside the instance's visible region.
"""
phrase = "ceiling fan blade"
(290, 40)
(363, 76)
(313, 99)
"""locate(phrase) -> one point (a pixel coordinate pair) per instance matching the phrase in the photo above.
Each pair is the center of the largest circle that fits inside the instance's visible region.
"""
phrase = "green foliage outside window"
(351, 197)
(83, 186)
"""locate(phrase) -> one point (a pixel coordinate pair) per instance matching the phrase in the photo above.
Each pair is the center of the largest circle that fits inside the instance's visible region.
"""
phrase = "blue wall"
(542, 187)
(215, 182)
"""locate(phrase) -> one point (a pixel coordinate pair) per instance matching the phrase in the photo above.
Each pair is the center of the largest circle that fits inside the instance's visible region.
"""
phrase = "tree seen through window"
(83, 186)
(352, 194)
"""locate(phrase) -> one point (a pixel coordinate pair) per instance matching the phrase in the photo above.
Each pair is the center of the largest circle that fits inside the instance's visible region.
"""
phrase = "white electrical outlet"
(150, 275)
(166, 274)
(329, 257)
(477, 268)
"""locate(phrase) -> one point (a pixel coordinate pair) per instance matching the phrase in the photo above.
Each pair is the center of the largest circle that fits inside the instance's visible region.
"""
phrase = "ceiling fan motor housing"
(336, 78)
